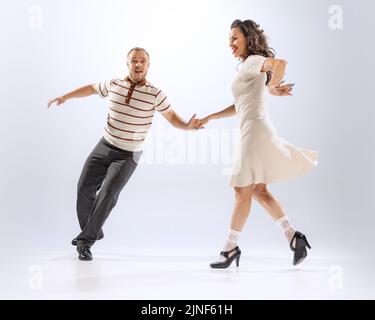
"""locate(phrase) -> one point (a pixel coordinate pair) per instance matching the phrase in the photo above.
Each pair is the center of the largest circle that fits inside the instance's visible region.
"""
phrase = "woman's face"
(238, 43)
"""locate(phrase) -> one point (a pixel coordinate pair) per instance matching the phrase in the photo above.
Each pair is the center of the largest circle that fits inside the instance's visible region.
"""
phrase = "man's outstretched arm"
(175, 120)
(79, 93)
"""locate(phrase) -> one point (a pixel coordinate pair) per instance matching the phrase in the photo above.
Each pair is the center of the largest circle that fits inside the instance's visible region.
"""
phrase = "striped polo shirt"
(131, 111)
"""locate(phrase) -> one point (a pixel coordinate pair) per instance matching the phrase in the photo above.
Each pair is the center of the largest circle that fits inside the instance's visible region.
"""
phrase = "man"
(133, 102)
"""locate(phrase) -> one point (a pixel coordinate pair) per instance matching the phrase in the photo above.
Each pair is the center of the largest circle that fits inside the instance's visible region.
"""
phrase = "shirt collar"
(136, 84)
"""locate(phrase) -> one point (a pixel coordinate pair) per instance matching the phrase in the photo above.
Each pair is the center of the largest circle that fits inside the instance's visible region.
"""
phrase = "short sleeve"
(161, 103)
(103, 88)
(253, 65)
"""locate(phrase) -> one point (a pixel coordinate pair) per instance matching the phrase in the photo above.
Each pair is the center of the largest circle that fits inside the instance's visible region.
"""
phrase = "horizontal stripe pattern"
(134, 123)
(128, 123)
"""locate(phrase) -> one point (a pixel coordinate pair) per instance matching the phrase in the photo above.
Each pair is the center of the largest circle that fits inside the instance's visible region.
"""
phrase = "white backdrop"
(178, 202)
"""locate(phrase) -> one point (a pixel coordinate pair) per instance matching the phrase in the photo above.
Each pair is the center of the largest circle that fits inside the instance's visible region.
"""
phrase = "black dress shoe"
(229, 256)
(84, 253)
(74, 241)
(300, 243)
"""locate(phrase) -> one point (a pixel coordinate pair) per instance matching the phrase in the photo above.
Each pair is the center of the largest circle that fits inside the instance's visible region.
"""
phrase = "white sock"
(232, 242)
(286, 227)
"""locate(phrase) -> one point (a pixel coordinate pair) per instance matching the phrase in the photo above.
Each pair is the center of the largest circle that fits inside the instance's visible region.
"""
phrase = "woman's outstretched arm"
(226, 113)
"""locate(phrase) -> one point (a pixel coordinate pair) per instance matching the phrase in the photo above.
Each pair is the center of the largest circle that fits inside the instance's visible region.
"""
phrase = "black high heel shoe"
(236, 255)
(300, 252)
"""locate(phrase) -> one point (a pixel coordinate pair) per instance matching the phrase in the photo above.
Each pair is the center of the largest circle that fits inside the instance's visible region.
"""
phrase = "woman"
(262, 157)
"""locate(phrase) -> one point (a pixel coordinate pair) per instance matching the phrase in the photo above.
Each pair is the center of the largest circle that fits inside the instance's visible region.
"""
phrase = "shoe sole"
(84, 259)
(219, 267)
(223, 267)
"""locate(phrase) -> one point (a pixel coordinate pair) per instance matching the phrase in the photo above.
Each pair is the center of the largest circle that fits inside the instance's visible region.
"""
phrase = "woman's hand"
(193, 123)
(203, 122)
(281, 89)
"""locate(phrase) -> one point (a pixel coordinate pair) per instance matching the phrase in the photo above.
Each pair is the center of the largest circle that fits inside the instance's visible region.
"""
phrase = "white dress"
(262, 156)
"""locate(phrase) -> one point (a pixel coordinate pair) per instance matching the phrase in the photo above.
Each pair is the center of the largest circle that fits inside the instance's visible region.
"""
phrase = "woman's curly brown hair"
(256, 40)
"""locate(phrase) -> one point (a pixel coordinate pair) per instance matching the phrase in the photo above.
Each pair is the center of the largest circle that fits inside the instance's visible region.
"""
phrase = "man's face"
(138, 64)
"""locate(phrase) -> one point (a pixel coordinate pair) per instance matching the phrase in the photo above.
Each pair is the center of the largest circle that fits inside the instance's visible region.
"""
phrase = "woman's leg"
(242, 207)
(266, 199)
(297, 240)
(239, 216)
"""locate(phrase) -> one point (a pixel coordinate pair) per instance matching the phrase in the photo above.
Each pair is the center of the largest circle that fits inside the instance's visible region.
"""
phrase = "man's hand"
(203, 122)
(58, 101)
(193, 123)
(78, 93)
(281, 89)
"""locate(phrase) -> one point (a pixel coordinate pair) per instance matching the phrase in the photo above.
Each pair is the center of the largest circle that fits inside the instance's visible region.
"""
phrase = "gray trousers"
(104, 175)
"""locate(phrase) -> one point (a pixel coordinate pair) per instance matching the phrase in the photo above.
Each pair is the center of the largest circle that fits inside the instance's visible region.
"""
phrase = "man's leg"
(117, 177)
(91, 180)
